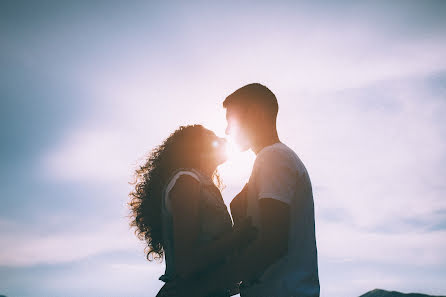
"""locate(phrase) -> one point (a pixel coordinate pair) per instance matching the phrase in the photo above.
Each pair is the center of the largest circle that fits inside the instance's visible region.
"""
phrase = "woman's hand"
(166, 290)
(172, 289)
(180, 288)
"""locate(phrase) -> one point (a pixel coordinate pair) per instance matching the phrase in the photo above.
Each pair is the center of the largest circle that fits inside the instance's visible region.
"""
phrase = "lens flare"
(232, 148)
(238, 166)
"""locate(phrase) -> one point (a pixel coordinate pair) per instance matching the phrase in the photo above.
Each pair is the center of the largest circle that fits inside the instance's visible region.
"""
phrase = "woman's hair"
(182, 149)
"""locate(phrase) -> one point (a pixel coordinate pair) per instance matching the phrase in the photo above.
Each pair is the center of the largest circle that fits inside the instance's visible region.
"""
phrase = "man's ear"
(259, 117)
(262, 115)
(253, 114)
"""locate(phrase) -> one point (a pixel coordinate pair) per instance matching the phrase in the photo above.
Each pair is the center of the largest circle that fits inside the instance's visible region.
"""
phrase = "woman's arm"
(189, 256)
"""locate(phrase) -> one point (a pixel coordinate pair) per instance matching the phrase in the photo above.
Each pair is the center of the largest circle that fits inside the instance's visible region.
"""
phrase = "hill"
(383, 293)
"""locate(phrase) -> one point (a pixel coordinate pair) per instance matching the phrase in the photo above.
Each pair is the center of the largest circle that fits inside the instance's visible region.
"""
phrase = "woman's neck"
(208, 170)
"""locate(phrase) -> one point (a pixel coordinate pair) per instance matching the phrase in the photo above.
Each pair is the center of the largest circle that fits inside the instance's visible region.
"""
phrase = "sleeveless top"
(213, 215)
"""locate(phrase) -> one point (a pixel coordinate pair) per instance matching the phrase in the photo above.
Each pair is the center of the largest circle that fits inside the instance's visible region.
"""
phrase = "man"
(282, 260)
(279, 200)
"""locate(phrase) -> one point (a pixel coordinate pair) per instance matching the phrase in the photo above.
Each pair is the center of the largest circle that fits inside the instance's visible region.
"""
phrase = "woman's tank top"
(213, 215)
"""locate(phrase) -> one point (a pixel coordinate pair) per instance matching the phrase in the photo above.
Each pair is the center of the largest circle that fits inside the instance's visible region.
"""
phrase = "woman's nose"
(219, 142)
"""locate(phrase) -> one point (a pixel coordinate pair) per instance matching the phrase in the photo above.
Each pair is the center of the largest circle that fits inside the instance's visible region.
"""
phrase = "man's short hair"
(253, 94)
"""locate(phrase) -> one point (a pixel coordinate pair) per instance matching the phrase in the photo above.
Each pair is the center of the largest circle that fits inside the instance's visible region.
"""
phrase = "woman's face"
(216, 146)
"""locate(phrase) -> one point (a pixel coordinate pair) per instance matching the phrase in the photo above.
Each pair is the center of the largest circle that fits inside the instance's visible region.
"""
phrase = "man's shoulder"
(279, 156)
(278, 152)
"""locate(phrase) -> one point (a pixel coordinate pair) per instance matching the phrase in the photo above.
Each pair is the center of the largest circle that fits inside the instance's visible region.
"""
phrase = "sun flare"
(237, 169)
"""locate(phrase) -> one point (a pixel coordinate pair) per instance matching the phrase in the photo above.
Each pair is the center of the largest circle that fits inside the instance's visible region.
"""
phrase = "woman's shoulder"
(182, 177)
(185, 172)
(182, 182)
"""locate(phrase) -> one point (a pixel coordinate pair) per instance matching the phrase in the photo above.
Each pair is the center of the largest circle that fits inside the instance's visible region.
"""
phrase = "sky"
(88, 88)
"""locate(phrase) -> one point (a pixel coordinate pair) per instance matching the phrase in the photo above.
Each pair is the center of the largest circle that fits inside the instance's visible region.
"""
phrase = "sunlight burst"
(237, 169)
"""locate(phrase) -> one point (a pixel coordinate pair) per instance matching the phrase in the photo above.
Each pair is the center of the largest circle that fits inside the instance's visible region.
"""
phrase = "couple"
(178, 210)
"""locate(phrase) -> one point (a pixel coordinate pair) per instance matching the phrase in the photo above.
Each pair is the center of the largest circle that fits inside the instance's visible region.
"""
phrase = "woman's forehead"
(210, 133)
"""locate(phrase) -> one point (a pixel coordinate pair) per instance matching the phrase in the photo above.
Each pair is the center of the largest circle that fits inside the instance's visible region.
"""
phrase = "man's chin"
(241, 146)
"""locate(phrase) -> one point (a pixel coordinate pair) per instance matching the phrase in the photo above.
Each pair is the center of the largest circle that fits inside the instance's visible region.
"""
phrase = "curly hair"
(182, 149)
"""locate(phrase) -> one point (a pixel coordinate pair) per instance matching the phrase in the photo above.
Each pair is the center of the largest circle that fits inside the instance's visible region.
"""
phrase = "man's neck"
(264, 141)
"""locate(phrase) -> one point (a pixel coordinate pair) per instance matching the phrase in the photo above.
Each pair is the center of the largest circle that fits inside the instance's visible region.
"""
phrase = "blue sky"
(88, 88)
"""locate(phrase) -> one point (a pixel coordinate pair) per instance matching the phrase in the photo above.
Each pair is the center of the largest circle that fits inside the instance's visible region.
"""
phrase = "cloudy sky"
(88, 88)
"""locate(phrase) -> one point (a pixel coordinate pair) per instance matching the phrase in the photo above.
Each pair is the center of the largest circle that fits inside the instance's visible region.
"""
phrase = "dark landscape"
(380, 293)
(383, 293)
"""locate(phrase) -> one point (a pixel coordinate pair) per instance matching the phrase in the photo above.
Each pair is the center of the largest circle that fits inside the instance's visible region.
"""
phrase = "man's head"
(250, 111)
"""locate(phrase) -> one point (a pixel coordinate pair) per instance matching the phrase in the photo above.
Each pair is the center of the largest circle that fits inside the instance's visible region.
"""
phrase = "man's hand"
(239, 206)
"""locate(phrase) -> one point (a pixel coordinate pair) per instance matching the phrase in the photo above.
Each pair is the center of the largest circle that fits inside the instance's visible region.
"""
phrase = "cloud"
(343, 242)
(107, 274)
(23, 248)
(373, 150)
(89, 155)
(362, 102)
(318, 54)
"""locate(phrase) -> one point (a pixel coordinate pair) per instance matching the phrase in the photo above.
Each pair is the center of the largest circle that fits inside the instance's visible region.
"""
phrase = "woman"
(178, 209)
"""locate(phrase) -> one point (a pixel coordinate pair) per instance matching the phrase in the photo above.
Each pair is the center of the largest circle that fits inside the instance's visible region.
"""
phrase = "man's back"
(279, 174)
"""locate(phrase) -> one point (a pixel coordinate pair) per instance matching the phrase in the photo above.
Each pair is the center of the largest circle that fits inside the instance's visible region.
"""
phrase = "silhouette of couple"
(178, 210)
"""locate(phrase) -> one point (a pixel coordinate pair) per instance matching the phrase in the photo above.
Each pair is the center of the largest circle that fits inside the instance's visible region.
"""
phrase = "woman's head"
(188, 147)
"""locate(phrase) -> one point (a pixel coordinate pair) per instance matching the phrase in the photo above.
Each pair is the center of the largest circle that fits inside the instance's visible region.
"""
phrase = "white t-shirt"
(278, 173)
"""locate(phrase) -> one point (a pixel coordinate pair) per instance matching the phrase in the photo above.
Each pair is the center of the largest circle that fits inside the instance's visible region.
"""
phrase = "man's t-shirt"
(278, 173)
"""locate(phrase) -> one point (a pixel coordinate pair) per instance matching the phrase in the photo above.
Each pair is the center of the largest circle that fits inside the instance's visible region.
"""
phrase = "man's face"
(236, 128)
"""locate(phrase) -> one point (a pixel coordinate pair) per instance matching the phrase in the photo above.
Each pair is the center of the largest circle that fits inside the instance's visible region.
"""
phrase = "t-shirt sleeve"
(275, 177)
